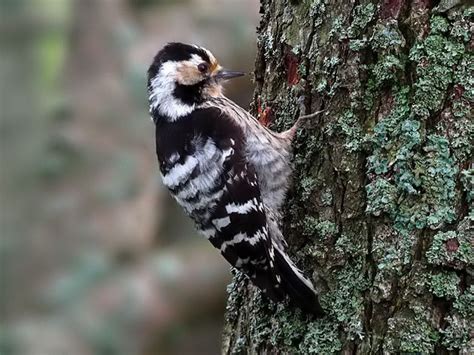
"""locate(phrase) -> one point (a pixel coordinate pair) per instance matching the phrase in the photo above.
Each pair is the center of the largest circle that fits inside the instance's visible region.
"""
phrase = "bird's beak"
(224, 74)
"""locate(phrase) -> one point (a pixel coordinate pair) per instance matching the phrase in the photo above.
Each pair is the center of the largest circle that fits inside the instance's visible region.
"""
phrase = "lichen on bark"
(380, 213)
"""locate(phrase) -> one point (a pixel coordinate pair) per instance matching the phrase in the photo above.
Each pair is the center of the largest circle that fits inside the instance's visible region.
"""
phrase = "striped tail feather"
(296, 286)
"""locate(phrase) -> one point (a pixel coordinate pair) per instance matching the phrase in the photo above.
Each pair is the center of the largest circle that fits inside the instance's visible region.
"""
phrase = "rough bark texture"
(380, 214)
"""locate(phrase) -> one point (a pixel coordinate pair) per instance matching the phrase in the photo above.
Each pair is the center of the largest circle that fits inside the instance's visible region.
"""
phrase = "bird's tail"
(296, 286)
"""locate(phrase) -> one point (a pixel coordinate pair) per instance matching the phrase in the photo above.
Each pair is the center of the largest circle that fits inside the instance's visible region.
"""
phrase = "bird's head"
(181, 77)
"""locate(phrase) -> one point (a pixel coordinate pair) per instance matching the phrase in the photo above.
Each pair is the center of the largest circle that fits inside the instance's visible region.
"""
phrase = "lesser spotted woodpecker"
(228, 172)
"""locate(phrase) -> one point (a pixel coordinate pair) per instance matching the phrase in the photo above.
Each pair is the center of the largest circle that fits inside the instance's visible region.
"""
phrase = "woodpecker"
(228, 172)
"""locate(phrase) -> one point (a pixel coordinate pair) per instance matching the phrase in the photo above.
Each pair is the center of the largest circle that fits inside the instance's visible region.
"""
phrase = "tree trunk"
(380, 213)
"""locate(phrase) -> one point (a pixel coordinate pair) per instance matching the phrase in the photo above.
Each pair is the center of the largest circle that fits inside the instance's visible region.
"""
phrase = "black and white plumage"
(228, 172)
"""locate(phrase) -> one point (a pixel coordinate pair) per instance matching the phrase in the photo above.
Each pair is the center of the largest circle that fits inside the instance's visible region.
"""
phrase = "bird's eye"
(203, 67)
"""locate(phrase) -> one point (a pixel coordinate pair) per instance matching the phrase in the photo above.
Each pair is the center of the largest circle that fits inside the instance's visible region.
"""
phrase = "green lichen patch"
(358, 44)
(422, 189)
(462, 24)
(290, 330)
(437, 171)
(345, 245)
(458, 123)
(467, 179)
(463, 76)
(235, 298)
(363, 14)
(388, 69)
(387, 37)
(321, 338)
(267, 38)
(437, 57)
(383, 287)
(307, 185)
(444, 284)
(347, 124)
(321, 228)
(391, 250)
(452, 248)
(326, 197)
(287, 329)
(260, 321)
(345, 301)
(464, 304)
(381, 196)
(394, 136)
(457, 335)
(338, 30)
(410, 334)
(439, 24)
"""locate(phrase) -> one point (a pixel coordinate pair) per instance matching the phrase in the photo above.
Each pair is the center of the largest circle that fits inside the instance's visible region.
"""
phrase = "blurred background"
(95, 258)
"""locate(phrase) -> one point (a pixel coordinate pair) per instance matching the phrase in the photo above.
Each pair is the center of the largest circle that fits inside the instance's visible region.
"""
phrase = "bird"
(227, 171)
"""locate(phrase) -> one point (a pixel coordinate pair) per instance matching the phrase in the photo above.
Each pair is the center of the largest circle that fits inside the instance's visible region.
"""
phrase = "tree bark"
(380, 213)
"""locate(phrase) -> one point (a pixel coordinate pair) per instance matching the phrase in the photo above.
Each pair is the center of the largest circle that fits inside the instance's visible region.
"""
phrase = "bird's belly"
(273, 186)
(273, 169)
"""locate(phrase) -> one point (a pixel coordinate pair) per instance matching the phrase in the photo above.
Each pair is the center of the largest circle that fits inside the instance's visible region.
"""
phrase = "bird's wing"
(239, 223)
(270, 155)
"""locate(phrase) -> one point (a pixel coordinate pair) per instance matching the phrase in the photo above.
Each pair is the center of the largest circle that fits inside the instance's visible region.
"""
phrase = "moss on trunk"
(380, 213)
